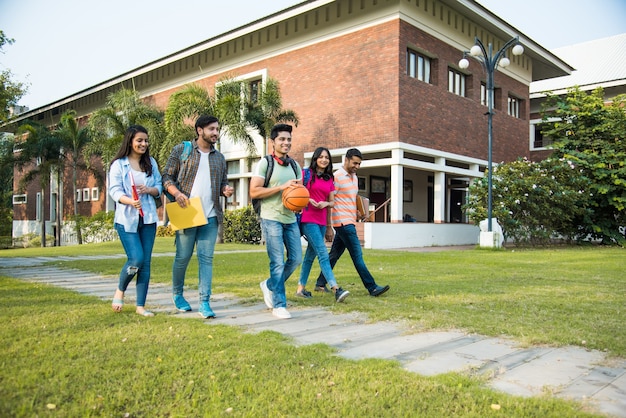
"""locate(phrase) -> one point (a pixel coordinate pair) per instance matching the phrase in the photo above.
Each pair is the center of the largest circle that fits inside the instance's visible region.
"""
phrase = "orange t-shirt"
(346, 190)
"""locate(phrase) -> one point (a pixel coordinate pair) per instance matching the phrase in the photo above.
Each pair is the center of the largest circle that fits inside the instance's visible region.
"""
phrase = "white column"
(440, 192)
(244, 192)
(397, 180)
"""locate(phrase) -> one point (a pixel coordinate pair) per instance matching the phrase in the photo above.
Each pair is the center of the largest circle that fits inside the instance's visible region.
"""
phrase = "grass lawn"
(67, 354)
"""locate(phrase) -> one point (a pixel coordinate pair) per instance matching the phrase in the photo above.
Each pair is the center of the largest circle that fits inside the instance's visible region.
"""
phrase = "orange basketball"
(295, 198)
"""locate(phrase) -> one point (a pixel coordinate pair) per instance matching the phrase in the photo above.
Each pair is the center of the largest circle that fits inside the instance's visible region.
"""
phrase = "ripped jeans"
(138, 247)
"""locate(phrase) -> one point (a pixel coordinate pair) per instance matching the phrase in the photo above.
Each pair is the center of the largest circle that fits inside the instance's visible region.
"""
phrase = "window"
(86, 194)
(38, 209)
(418, 66)
(513, 107)
(232, 200)
(483, 94)
(538, 140)
(255, 89)
(53, 206)
(20, 199)
(95, 194)
(233, 167)
(79, 195)
(456, 82)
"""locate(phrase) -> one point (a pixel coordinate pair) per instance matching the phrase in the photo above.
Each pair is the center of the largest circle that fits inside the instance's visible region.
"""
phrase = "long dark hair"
(328, 171)
(127, 144)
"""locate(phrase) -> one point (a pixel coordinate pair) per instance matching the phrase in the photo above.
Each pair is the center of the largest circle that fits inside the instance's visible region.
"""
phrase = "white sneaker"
(267, 295)
(281, 313)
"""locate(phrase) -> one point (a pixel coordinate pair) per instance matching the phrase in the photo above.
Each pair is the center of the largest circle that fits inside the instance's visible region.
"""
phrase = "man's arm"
(257, 191)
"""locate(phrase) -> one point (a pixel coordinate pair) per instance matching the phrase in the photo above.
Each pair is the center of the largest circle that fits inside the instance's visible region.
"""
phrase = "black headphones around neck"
(282, 160)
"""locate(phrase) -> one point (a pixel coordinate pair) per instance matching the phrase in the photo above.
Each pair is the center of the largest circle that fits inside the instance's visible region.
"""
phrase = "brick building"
(380, 75)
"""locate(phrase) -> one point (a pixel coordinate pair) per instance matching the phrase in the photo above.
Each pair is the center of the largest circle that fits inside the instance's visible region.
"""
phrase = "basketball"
(296, 197)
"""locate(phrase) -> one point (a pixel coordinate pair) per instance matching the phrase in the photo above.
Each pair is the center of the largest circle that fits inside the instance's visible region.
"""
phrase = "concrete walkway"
(569, 372)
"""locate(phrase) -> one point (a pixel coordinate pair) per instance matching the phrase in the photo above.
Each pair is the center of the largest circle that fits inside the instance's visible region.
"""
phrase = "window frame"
(457, 82)
(419, 66)
(534, 125)
(513, 106)
(20, 199)
(483, 94)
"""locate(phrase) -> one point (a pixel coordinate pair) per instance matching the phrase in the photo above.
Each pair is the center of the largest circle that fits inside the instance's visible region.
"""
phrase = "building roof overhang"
(545, 64)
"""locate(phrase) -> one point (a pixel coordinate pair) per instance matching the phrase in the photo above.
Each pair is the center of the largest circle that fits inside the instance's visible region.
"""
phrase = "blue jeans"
(203, 238)
(278, 237)
(347, 238)
(138, 247)
(314, 234)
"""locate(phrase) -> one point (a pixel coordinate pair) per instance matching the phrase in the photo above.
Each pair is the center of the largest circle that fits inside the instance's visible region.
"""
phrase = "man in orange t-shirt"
(343, 220)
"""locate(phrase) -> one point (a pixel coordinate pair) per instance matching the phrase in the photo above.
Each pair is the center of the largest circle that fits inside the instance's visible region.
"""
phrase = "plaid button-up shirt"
(183, 175)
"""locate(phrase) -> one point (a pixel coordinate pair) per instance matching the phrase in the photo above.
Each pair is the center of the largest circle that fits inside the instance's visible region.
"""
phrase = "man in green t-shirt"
(278, 223)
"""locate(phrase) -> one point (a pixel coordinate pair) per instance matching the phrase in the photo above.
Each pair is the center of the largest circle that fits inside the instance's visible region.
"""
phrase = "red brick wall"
(84, 180)
(343, 90)
(353, 91)
(435, 118)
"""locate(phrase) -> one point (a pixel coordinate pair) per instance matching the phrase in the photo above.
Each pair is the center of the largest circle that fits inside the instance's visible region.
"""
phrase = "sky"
(65, 46)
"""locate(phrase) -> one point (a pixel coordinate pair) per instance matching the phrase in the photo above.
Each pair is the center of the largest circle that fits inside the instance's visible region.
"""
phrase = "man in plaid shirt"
(201, 174)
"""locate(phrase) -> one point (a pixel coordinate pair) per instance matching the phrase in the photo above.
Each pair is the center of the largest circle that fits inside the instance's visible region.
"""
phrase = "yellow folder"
(181, 218)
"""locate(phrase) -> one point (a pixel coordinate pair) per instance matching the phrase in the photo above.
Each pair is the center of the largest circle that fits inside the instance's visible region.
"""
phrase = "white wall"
(406, 235)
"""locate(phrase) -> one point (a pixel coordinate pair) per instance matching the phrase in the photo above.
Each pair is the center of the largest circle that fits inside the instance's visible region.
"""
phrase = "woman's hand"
(143, 189)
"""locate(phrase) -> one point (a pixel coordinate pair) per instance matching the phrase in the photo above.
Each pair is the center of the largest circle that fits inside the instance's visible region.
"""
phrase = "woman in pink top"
(318, 178)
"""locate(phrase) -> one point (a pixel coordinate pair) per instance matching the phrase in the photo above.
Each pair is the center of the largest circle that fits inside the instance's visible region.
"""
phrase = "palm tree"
(107, 125)
(183, 109)
(6, 184)
(44, 147)
(75, 138)
(233, 105)
(242, 114)
(268, 110)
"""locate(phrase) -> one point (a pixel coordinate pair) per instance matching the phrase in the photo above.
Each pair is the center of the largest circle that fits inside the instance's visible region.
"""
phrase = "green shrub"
(534, 202)
(33, 240)
(242, 226)
(6, 242)
(98, 228)
(165, 231)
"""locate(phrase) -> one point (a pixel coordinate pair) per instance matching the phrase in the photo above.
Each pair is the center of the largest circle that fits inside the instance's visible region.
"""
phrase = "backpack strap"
(306, 177)
(270, 169)
(294, 166)
(184, 156)
(186, 151)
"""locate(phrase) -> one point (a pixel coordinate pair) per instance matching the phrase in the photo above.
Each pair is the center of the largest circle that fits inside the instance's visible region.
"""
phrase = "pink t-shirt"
(319, 189)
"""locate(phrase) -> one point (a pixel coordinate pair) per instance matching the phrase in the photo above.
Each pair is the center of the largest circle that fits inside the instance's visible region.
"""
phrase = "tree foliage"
(39, 156)
(6, 185)
(108, 124)
(74, 139)
(533, 201)
(239, 111)
(592, 134)
(11, 91)
(580, 191)
(181, 113)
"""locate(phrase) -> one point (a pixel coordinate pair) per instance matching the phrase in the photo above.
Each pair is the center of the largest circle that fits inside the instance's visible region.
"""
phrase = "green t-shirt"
(272, 207)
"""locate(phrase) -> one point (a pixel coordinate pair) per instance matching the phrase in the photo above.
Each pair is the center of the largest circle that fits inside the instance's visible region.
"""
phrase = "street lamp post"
(490, 62)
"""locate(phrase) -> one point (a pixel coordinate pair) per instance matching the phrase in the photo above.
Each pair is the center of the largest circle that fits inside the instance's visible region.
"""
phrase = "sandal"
(145, 313)
(117, 305)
